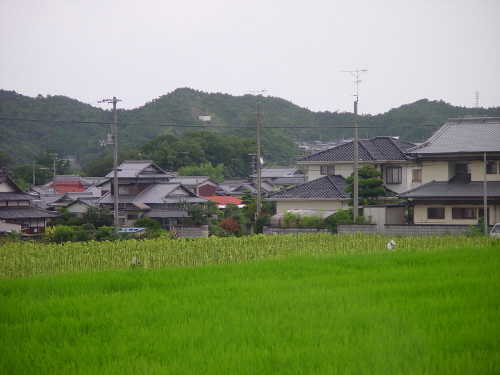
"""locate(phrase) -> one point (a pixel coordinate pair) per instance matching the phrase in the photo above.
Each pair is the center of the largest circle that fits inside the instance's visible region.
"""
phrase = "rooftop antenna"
(356, 74)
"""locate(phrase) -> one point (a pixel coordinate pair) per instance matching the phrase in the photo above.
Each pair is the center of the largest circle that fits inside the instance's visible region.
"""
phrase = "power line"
(326, 126)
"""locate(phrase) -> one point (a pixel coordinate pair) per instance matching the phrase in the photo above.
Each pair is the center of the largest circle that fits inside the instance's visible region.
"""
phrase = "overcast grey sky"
(138, 50)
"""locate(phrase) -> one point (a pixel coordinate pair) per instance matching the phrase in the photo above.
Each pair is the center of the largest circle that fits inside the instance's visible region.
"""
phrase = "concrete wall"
(356, 228)
(272, 230)
(190, 230)
(405, 230)
(425, 230)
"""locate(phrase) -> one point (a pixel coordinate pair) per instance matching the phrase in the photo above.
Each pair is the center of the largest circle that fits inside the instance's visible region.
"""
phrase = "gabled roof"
(17, 193)
(156, 193)
(328, 187)
(379, 148)
(193, 180)
(463, 135)
(457, 187)
(139, 169)
(275, 172)
(288, 180)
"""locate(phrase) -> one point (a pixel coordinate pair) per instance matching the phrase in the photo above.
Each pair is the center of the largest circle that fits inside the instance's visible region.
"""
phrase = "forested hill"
(69, 126)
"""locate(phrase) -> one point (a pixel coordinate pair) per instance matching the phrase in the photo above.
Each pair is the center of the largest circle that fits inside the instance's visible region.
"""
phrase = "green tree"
(370, 183)
(46, 158)
(148, 222)
(5, 159)
(98, 216)
(215, 173)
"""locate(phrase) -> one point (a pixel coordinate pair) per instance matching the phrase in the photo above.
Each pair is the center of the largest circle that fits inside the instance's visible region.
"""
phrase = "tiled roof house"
(454, 173)
(387, 154)
(17, 211)
(144, 189)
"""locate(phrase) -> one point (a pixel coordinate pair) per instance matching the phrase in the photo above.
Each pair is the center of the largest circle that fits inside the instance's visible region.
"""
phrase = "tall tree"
(370, 183)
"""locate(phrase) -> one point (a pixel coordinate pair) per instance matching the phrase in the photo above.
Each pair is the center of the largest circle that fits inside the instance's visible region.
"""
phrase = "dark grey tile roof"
(138, 169)
(288, 180)
(321, 188)
(8, 196)
(274, 172)
(463, 136)
(156, 193)
(458, 187)
(30, 212)
(191, 180)
(379, 148)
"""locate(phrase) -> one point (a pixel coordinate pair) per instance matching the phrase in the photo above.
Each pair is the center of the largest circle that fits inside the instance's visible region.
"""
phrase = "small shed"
(385, 214)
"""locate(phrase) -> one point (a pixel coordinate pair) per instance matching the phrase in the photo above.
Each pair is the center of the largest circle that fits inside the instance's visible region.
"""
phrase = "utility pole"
(485, 199)
(356, 73)
(54, 180)
(259, 164)
(259, 159)
(114, 136)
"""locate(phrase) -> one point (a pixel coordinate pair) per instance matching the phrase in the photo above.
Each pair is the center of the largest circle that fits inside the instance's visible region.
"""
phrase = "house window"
(121, 221)
(417, 175)
(327, 169)
(435, 212)
(463, 213)
(132, 217)
(462, 168)
(491, 168)
(393, 175)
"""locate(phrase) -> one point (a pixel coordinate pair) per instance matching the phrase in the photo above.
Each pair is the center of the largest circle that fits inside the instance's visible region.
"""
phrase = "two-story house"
(460, 167)
(387, 154)
(144, 189)
(328, 169)
(17, 211)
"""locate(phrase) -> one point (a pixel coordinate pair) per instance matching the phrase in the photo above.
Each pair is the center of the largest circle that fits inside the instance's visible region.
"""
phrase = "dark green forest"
(168, 130)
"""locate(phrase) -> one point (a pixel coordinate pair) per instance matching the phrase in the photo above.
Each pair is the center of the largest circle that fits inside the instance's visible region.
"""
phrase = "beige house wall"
(343, 169)
(346, 169)
(420, 214)
(477, 172)
(77, 208)
(437, 171)
(6, 188)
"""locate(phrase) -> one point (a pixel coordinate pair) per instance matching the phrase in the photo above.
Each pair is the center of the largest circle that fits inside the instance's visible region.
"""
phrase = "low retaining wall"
(190, 230)
(421, 230)
(425, 230)
(275, 230)
(356, 228)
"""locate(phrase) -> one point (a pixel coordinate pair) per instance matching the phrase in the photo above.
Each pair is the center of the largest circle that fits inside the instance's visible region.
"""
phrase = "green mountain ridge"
(30, 125)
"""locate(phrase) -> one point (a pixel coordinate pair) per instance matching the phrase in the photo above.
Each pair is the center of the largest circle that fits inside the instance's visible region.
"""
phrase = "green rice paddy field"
(321, 307)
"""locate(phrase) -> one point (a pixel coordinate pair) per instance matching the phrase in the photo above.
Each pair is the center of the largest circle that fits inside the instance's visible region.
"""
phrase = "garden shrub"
(63, 233)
